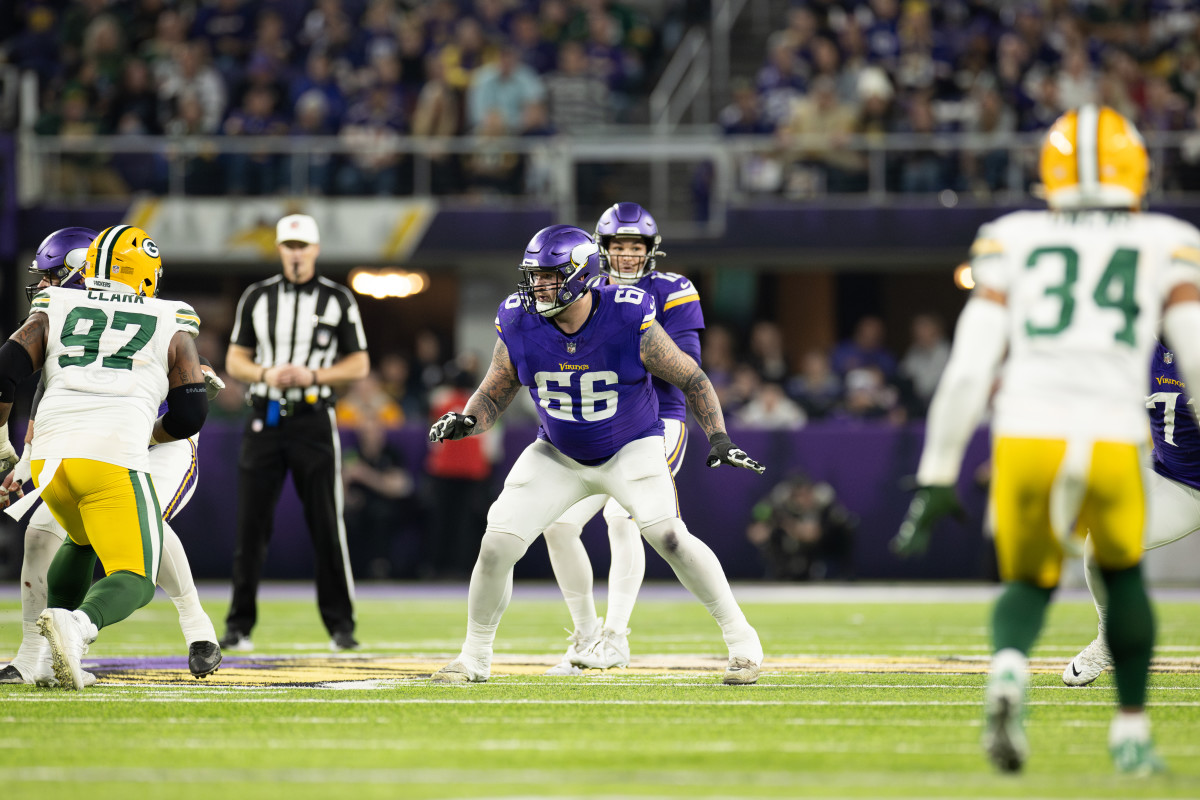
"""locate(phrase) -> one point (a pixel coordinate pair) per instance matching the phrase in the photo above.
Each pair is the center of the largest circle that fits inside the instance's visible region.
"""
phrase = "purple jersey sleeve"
(1173, 422)
(592, 393)
(680, 316)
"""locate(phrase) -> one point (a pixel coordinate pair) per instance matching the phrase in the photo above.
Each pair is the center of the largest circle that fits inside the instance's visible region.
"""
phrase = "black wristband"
(187, 406)
(719, 437)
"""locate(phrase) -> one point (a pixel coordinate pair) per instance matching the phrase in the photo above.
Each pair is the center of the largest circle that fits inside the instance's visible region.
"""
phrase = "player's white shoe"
(68, 635)
(1132, 748)
(1004, 733)
(611, 649)
(580, 643)
(741, 671)
(463, 669)
(1087, 666)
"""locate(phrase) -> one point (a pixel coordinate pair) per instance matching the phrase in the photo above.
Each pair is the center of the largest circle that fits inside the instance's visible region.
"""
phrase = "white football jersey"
(105, 373)
(1085, 297)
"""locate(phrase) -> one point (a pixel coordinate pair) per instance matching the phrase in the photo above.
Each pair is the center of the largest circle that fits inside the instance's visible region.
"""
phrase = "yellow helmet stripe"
(104, 251)
(1087, 130)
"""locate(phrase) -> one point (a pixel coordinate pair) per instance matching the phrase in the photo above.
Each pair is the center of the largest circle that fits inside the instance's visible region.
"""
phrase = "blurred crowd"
(762, 385)
(843, 68)
(366, 71)
(372, 71)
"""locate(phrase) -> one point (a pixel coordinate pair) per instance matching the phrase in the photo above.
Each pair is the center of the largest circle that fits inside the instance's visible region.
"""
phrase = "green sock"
(70, 575)
(1129, 627)
(115, 597)
(1018, 615)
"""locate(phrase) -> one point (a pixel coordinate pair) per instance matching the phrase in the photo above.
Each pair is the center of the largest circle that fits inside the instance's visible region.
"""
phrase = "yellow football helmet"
(123, 258)
(1094, 157)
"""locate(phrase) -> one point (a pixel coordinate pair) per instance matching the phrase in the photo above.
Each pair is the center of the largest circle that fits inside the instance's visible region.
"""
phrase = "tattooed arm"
(496, 392)
(664, 359)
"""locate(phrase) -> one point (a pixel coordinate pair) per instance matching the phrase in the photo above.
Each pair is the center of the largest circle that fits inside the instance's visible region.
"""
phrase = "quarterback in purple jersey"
(586, 352)
(1172, 494)
(628, 239)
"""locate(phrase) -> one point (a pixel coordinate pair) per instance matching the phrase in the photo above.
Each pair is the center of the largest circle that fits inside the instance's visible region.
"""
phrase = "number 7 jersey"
(105, 373)
(592, 392)
(1085, 296)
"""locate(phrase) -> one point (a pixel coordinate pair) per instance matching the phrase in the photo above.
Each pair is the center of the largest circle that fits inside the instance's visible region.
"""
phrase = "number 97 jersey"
(105, 373)
(1085, 295)
(592, 392)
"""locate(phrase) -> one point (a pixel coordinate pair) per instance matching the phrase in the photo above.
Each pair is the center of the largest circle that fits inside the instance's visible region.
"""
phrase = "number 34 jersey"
(592, 393)
(105, 373)
(1085, 295)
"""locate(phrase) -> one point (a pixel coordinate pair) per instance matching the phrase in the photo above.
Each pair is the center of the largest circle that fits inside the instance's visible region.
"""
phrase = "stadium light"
(387, 283)
(963, 278)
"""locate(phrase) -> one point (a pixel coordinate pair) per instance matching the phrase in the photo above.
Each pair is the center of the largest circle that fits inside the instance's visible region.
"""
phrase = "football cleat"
(10, 674)
(68, 636)
(611, 649)
(1134, 756)
(580, 643)
(1004, 733)
(1087, 666)
(343, 641)
(463, 669)
(203, 658)
(741, 671)
(236, 640)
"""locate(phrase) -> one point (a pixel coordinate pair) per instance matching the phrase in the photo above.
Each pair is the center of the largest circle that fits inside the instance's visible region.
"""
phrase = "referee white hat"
(297, 228)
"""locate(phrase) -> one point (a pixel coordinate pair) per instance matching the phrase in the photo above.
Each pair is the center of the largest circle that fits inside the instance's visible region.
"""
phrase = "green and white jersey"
(1085, 297)
(105, 373)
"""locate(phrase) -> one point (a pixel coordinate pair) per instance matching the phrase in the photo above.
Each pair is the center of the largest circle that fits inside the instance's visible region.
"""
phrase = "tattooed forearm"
(664, 359)
(496, 392)
(32, 336)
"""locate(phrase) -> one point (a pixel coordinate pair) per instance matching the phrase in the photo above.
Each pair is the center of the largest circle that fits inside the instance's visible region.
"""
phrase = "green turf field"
(857, 699)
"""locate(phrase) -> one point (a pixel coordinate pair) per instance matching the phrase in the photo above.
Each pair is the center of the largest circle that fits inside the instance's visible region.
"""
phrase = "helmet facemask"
(567, 264)
(624, 221)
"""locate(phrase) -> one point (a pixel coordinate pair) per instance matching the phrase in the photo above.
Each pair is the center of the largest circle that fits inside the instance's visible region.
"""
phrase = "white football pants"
(569, 558)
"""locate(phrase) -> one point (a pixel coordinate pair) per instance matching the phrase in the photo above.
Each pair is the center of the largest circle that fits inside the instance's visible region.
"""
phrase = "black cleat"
(203, 658)
(343, 640)
(11, 674)
(236, 640)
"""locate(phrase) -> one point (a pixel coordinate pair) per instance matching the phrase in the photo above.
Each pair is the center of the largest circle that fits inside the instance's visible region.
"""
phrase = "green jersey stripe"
(143, 513)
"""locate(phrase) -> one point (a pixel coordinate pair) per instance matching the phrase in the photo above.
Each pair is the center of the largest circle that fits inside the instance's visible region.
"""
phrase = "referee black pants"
(307, 446)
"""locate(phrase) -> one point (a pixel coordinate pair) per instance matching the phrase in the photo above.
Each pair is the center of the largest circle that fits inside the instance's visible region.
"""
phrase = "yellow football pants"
(114, 509)
(1108, 500)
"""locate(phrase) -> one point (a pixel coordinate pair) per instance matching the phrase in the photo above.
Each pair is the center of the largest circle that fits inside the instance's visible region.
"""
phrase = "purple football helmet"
(628, 219)
(60, 258)
(567, 251)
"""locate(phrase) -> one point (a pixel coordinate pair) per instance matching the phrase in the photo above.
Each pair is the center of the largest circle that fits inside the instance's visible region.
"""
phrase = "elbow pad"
(187, 406)
(15, 365)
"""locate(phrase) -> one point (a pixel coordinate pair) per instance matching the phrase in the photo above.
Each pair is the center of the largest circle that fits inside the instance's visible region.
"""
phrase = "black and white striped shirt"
(314, 324)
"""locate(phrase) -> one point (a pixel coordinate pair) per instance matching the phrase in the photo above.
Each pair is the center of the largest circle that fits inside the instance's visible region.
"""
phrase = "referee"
(297, 337)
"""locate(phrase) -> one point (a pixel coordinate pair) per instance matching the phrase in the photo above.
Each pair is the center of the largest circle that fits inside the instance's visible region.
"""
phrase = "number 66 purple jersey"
(578, 381)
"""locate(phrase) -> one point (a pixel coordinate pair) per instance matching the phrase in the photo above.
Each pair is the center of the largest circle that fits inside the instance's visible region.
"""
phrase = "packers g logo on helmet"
(123, 259)
(1094, 158)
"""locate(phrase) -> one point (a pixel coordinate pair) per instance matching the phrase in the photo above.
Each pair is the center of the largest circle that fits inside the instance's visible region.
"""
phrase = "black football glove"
(726, 452)
(928, 507)
(452, 425)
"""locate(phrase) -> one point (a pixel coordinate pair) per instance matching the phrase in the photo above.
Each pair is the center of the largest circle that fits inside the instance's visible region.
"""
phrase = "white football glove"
(212, 385)
(8, 456)
(452, 425)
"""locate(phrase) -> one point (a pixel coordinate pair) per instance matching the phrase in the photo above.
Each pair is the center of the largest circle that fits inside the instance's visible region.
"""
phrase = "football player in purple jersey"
(587, 353)
(628, 239)
(1172, 492)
